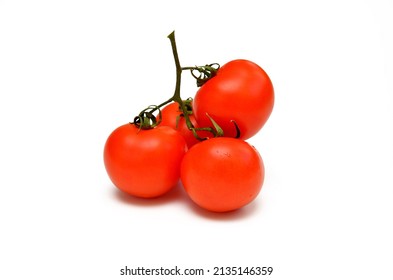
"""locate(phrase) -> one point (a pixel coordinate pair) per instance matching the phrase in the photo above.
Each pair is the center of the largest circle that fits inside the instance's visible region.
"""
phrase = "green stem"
(164, 103)
(178, 67)
(176, 97)
(144, 119)
(189, 68)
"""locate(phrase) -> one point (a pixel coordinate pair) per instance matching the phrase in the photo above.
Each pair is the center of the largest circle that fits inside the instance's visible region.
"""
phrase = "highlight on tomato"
(144, 162)
(222, 174)
(240, 92)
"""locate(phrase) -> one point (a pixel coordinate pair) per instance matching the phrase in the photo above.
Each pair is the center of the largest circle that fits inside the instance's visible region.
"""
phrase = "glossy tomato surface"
(241, 92)
(222, 174)
(172, 117)
(144, 163)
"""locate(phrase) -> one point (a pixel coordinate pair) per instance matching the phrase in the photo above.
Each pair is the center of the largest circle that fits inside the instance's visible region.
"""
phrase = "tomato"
(172, 117)
(144, 163)
(222, 174)
(242, 92)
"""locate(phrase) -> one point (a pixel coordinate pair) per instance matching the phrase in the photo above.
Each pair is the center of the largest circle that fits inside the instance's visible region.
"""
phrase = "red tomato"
(222, 174)
(171, 116)
(144, 163)
(241, 92)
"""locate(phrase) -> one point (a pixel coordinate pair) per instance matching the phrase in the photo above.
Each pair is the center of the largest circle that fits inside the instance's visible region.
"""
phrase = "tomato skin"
(222, 174)
(144, 163)
(241, 92)
(171, 116)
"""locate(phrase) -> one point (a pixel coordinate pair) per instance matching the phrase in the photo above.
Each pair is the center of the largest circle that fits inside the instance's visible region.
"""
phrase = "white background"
(72, 71)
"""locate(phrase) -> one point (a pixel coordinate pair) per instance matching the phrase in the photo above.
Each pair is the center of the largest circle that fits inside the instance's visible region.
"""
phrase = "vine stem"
(144, 118)
(178, 67)
(176, 96)
(188, 68)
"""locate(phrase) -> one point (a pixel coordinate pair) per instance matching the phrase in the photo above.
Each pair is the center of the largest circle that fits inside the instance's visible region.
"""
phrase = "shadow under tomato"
(179, 195)
(173, 195)
(239, 214)
(243, 213)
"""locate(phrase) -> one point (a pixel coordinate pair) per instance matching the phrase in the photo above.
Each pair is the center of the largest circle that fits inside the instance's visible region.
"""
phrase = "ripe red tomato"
(171, 116)
(241, 92)
(144, 163)
(222, 174)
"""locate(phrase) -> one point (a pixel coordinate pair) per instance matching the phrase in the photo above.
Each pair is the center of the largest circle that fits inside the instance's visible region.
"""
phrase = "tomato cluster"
(199, 141)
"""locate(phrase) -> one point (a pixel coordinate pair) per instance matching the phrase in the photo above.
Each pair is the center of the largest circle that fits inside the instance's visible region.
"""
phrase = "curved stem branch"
(176, 96)
(147, 120)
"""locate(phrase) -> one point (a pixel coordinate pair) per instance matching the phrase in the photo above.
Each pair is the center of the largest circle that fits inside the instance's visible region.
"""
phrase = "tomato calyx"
(146, 119)
(188, 106)
(205, 73)
(238, 133)
(219, 131)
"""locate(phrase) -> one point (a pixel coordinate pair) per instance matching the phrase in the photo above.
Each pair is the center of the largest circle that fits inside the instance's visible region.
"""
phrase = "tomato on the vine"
(147, 158)
(222, 174)
(144, 163)
(172, 116)
(241, 93)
